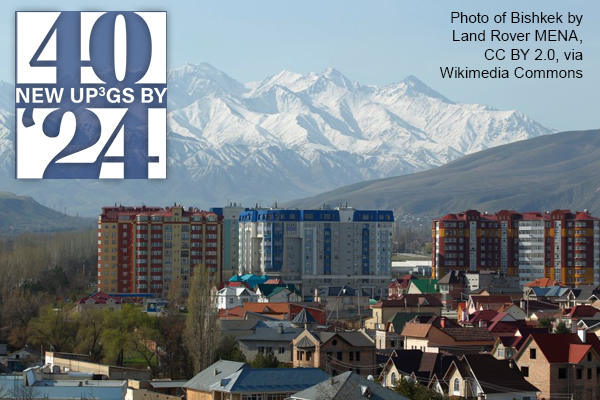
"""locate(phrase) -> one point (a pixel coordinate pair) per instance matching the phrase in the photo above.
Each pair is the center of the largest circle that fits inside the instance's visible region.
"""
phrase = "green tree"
(201, 324)
(229, 350)
(561, 327)
(173, 355)
(415, 391)
(54, 329)
(91, 326)
(546, 323)
(265, 361)
(120, 325)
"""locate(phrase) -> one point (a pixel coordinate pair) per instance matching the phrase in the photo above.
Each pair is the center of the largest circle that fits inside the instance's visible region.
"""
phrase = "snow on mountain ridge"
(296, 134)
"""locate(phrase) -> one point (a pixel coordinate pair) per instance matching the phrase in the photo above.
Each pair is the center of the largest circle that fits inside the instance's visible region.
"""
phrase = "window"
(562, 373)
(589, 373)
(580, 373)
(393, 380)
(308, 355)
(340, 355)
(282, 350)
(589, 356)
(456, 387)
(532, 354)
(501, 353)
(358, 356)
(525, 371)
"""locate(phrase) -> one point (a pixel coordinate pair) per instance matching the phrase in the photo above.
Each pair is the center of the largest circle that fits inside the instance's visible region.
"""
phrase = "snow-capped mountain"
(291, 135)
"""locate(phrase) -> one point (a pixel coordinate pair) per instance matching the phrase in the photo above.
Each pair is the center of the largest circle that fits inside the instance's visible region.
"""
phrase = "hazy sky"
(374, 42)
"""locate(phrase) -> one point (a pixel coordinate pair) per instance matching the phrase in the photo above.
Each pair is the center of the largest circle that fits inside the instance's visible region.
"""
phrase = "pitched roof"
(582, 311)
(213, 374)
(495, 375)
(452, 277)
(399, 319)
(425, 285)
(270, 380)
(342, 291)
(272, 334)
(304, 317)
(410, 300)
(99, 297)
(305, 343)
(543, 282)
(268, 290)
(469, 334)
(559, 347)
(482, 315)
(348, 386)
(487, 301)
(355, 338)
(412, 329)
(424, 365)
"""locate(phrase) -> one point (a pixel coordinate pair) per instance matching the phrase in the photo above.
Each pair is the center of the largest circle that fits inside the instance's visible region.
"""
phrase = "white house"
(230, 297)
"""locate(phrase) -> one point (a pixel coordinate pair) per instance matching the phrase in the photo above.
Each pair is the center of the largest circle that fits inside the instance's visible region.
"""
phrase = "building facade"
(147, 250)
(318, 248)
(561, 245)
(231, 216)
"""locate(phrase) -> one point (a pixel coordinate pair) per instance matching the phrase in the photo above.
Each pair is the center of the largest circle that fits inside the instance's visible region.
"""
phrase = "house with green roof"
(423, 286)
(278, 293)
(388, 338)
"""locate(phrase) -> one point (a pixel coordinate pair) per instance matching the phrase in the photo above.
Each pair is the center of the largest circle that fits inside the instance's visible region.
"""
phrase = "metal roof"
(213, 374)
(270, 380)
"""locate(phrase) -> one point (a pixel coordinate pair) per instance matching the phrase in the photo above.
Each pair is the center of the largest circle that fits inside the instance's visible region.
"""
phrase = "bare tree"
(201, 324)
(22, 392)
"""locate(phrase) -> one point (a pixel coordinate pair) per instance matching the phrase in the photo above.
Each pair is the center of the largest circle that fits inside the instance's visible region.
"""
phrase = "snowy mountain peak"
(294, 134)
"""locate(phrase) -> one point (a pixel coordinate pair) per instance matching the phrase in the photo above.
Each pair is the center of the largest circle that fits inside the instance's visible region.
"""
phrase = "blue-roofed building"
(266, 383)
(314, 249)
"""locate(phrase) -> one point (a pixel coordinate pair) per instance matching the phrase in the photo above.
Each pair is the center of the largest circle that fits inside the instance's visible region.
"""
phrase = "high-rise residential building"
(150, 249)
(318, 248)
(561, 244)
(231, 216)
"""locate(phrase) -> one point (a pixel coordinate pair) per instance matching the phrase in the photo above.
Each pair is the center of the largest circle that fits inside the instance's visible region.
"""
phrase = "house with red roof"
(562, 365)
(98, 301)
(543, 282)
(571, 316)
(399, 286)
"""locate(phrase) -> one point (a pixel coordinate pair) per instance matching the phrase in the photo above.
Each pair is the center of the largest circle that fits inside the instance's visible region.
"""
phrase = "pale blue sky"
(374, 42)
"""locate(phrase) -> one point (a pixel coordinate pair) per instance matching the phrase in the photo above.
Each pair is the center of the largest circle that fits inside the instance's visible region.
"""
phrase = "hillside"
(544, 173)
(22, 213)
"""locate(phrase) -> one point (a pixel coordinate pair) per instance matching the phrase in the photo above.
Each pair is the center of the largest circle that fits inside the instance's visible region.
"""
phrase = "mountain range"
(550, 172)
(288, 136)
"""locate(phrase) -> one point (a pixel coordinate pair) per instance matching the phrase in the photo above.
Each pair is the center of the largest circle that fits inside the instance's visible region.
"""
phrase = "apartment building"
(318, 248)
(561, 245)
(231, 216)
(149, 249)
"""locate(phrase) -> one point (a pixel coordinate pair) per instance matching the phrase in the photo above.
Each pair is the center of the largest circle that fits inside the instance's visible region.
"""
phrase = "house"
(414, 364)
(562, 365)
(506, 347)
(491, 302)
(571, 316)
(98, 301)
(286, 310)
(433, 334)
(21, 359)
(423, 286)
(234, 296)
(335, 351)
(347, 386)
(452, 288)
(482, 376)
(399, 286)
(199, 387)
(547, 294)
(514, 311)
(343, 300)
(389, 338)
(266, 383)
(275, 339)
(383, 310)
(250, 279)
(581, 295)
(589, 326)
(277, 293)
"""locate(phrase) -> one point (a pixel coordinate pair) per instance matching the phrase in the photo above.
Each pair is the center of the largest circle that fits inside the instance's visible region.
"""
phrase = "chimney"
(280, 329)
(216, 371)
(443, 322)
(582, 335)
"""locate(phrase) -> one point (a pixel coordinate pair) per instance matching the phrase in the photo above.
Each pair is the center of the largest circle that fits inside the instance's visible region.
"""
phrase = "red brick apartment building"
(561, 244)
(148, 249)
